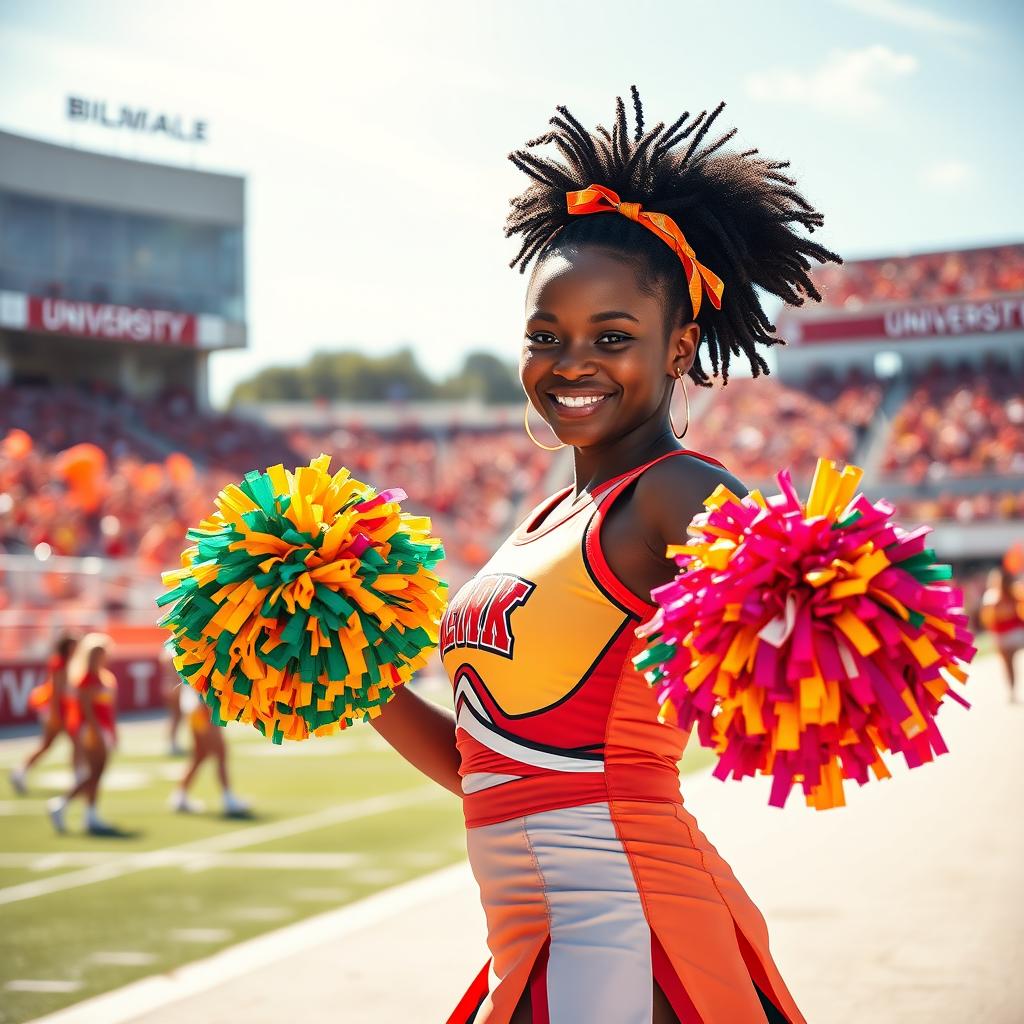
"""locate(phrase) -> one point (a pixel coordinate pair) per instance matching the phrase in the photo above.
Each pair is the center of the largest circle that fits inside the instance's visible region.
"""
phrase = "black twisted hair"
(737, 209)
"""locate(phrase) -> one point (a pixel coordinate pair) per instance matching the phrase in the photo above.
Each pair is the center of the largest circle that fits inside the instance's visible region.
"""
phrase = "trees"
(351, 375)
(486, 377)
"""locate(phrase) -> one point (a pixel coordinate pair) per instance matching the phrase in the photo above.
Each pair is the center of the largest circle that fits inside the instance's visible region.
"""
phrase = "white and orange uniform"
(592, 874)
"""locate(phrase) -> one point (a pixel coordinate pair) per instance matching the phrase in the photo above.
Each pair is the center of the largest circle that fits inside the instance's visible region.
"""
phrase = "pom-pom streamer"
(804, 640)
(305, 599)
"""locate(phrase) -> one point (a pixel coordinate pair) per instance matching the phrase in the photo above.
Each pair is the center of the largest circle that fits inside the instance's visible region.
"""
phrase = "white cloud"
(848, 81)
(947, 175)
(914, 17)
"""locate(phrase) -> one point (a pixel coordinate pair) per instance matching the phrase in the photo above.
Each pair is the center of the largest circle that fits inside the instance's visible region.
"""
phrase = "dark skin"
(591, 331)
(574, 347)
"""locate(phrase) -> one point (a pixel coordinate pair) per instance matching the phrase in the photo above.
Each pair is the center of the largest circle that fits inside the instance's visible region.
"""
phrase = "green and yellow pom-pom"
(305, 599)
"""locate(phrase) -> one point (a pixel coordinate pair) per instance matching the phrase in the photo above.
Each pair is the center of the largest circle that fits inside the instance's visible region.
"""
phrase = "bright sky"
(374, 135)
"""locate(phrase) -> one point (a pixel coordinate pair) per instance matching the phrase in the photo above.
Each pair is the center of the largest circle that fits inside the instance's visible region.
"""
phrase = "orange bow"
(598, 199)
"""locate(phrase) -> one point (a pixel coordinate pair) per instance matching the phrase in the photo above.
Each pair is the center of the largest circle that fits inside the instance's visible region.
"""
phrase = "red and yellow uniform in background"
(593, 875)
(101, 686)
(1003, 616)
(53, 713)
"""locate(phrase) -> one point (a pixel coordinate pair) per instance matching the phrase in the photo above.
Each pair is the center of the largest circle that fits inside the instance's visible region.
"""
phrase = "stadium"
(120, 280)
(112, 304)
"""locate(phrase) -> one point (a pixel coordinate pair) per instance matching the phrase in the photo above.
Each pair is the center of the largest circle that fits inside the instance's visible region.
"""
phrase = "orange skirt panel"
(697, 931)
(712, 933)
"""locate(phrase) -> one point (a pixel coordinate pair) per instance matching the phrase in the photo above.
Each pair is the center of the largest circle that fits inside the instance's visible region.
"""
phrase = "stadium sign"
(136, 119)
(138, 685)
(904, 323)
(111, 323)
(107, 322)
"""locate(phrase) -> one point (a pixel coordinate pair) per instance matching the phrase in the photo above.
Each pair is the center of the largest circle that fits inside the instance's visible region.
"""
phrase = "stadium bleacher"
(963, 274)
(77, 475)
(98, 473)
(756, 427)
(959, 420)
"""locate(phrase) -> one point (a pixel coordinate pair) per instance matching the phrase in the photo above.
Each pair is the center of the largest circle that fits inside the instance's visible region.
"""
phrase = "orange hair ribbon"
(598, 199)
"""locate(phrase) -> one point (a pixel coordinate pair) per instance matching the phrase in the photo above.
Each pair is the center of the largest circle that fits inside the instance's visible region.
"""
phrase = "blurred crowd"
(756, 427)
(75, 480)
(227, 442)
(99, 475)
(87, 474)
(958, 421)
(932, 277)
(471, 482)
(965, 508)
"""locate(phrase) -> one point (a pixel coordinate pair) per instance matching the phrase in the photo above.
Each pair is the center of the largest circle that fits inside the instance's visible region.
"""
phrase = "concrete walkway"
(903, 908)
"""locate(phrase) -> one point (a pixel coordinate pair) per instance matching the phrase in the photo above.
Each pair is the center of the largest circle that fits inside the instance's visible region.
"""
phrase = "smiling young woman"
(604, 901)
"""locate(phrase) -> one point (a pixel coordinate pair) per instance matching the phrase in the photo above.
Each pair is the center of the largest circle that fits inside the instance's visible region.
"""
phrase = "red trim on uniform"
(554, 791)
(598, 564)
(539, 987)
(465, 1012)
(1007, 626)
(670, 983)
(102, 705)
(758, 975)
(524, 534)
(548, 792)
(541, 511)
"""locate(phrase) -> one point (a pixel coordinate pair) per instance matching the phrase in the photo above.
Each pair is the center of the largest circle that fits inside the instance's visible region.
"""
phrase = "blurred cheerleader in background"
(51, 701)
(92, 722)
(1002, 614)
(207, 741)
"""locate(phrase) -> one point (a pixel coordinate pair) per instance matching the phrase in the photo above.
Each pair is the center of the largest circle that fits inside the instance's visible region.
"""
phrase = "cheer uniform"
(593, 875)
(103, 688)
(1003, 620)
(41, 698)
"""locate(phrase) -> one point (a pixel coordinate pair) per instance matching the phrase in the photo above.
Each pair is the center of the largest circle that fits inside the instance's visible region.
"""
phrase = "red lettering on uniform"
(496, 628)
(446, 641)
(480, 614)
(467, 620)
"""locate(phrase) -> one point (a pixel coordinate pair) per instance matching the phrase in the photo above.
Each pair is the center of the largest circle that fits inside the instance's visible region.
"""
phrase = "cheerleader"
(604, 901)
(92, 721)
(50, 700)
(1002, 614)
(207, 742)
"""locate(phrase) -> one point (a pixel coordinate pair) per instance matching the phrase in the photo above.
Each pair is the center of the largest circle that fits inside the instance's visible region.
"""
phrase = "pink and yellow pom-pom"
(805, 640)
(305, 600)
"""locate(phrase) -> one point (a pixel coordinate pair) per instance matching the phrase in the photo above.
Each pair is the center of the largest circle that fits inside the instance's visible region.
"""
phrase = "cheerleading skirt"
(588, 906)
(53, 720)
(1009, 640)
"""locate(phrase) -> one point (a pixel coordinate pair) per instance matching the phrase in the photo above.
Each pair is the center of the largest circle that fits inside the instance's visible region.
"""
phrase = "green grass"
(56, 936)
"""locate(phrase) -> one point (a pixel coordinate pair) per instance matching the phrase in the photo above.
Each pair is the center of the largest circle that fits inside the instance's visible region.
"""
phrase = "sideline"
(170, 856)
(133, 1001)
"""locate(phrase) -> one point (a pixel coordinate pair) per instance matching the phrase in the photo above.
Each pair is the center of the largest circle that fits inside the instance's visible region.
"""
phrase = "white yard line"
(134, 1001)
(284, 861)
(236, 840)
(122, 958)
(42, 985)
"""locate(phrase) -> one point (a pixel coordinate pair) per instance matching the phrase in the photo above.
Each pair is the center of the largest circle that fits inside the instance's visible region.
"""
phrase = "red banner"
(112, 323)
(138, 685)
(906, 323)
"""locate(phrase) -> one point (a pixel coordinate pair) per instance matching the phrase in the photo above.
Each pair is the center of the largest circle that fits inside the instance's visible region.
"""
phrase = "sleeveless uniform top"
(550, 711)
(1002, 616)
(40, 698)
(102, 687)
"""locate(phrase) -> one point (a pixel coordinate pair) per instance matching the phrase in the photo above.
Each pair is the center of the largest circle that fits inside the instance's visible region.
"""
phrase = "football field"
(336, 819)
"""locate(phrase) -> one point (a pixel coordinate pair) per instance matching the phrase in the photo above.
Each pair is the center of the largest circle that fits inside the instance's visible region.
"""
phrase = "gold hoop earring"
(529, 432)
(686, 399)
